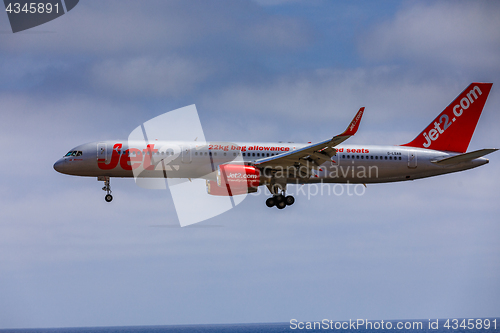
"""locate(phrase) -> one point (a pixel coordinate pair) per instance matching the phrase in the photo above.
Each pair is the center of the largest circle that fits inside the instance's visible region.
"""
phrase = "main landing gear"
(279, 199)
(107, 187)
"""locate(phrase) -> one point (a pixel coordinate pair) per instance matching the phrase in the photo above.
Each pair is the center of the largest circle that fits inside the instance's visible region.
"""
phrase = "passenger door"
(102, 152)
(186, 154)
(412, 159)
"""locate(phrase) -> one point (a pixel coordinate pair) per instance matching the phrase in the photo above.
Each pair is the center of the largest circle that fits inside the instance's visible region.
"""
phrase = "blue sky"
(257, 71)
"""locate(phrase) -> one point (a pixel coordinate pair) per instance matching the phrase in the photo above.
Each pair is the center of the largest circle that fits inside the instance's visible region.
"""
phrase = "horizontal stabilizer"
(465, 157)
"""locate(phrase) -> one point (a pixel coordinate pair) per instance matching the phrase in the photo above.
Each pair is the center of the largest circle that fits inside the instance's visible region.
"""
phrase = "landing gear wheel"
(281, 205)
(108, 197)
(279, 198)
(289, 200)
(270, 202)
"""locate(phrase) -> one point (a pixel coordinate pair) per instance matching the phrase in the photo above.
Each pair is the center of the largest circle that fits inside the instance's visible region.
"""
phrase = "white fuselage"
(352, 163)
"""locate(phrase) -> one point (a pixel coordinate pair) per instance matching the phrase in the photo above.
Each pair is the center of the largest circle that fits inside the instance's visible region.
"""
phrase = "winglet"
(353, 126)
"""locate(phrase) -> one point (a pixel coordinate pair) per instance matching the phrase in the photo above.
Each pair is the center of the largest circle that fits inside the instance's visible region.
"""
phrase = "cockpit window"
(73, 153)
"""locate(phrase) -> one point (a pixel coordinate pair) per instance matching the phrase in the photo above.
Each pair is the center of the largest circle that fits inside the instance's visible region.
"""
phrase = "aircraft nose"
(59, 165)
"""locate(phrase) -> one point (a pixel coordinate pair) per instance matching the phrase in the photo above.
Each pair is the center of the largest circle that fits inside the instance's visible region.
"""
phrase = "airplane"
(235, 168)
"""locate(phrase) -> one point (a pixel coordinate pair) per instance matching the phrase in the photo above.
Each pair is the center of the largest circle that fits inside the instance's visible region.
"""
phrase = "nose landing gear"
(107, 187)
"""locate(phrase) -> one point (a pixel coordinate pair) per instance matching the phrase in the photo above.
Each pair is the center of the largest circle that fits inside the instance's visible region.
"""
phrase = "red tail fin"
(452, 130)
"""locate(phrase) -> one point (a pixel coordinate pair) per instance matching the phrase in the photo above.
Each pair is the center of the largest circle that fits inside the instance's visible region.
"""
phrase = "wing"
(312, 155)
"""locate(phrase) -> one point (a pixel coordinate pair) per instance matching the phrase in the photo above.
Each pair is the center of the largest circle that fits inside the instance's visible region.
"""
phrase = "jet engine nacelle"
(234, 179)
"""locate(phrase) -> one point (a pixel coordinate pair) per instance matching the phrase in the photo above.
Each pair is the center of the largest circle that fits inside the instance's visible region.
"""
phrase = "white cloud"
(148, 76)
(462, 34)
(111, 27)
(47, 127)
(318, 104)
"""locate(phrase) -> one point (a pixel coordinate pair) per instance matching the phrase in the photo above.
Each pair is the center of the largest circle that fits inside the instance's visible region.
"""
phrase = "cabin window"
(244, 154)
(400, 158)
(386, 157)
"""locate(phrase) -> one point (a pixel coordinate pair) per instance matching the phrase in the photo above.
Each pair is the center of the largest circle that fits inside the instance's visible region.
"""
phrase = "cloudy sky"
(257, 70)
